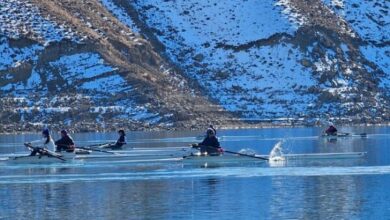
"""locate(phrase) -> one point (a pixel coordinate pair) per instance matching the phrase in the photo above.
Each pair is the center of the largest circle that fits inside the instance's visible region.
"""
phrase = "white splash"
(276, 155)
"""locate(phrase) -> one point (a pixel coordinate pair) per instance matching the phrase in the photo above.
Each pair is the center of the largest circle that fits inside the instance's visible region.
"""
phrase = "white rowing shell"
(69, 157)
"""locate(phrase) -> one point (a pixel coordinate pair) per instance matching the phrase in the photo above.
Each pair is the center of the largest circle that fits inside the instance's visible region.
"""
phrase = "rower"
(215, 130)
(45, 142)
(332, 130)
(210, 145)
(120, 142)
(65, 143)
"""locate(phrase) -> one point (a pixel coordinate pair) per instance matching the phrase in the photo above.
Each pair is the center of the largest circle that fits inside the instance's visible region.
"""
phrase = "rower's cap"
(64, 132)
(121, 131)
(45, 131)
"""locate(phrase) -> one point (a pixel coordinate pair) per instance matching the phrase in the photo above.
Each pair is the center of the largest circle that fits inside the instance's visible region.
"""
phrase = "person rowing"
(121, 140)
(40, 146)
(66, 143)
(332, 130)
(215, 130)
(119, 143)
(210, 145)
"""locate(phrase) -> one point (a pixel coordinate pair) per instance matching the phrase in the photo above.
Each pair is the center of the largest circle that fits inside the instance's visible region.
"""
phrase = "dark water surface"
(316, 189)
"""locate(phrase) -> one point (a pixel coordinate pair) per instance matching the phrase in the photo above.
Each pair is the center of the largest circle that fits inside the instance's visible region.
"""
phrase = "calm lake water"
(317, 189)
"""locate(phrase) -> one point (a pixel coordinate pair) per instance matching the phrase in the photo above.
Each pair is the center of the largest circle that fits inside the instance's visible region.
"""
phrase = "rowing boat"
(88, 155)
(120, 158)
(71, 157)
(224, 158)
(343, 135)
(138, 156)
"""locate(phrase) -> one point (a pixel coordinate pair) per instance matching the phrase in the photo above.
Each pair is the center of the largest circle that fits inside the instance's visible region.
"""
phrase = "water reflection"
(316, 197)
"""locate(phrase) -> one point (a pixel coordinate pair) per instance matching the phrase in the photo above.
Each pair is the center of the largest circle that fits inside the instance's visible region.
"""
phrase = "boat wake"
(226, 172)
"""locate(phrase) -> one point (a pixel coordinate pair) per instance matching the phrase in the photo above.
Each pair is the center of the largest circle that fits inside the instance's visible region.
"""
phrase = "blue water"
(316, 189)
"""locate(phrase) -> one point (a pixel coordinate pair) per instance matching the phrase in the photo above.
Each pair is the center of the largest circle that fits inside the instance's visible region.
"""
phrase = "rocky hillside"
(73, 64)
(278, 59)
(100, 64)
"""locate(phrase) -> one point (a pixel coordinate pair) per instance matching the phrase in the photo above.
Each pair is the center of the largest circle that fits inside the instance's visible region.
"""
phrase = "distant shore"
(86, 128)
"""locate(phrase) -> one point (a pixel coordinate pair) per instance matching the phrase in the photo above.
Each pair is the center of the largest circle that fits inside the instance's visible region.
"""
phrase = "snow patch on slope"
(128, 111)
(111, 84)
(34, 81)
(21, 18)
(274, 86)
(11, 56)
(74, 69)
(120, 14)
(80, 66)
(370, 19)
(198, 21)
(379, 56)
(292, 13)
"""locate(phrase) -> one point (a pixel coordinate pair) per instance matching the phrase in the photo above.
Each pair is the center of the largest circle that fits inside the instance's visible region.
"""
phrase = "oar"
(237, 153)
(45, 151)
(30, 148)
(362, 134)
(343, 134)
(245, 155)
(53, 155)
(99, 145)
(92, 149)
(88, 146)
(98, 150)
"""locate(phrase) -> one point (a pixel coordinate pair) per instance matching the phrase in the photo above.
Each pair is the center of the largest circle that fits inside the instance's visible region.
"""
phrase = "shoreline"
(198, 128)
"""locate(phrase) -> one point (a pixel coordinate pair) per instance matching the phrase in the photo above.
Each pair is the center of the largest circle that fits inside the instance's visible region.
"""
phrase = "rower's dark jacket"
(65, 143)
(210, 145)
(121, 141)
(210, 141)
(331, 130)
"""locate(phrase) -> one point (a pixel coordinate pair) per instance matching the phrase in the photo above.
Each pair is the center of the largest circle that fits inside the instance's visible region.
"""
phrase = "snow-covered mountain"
(287, 58)
(91, 64)
(72, 64)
